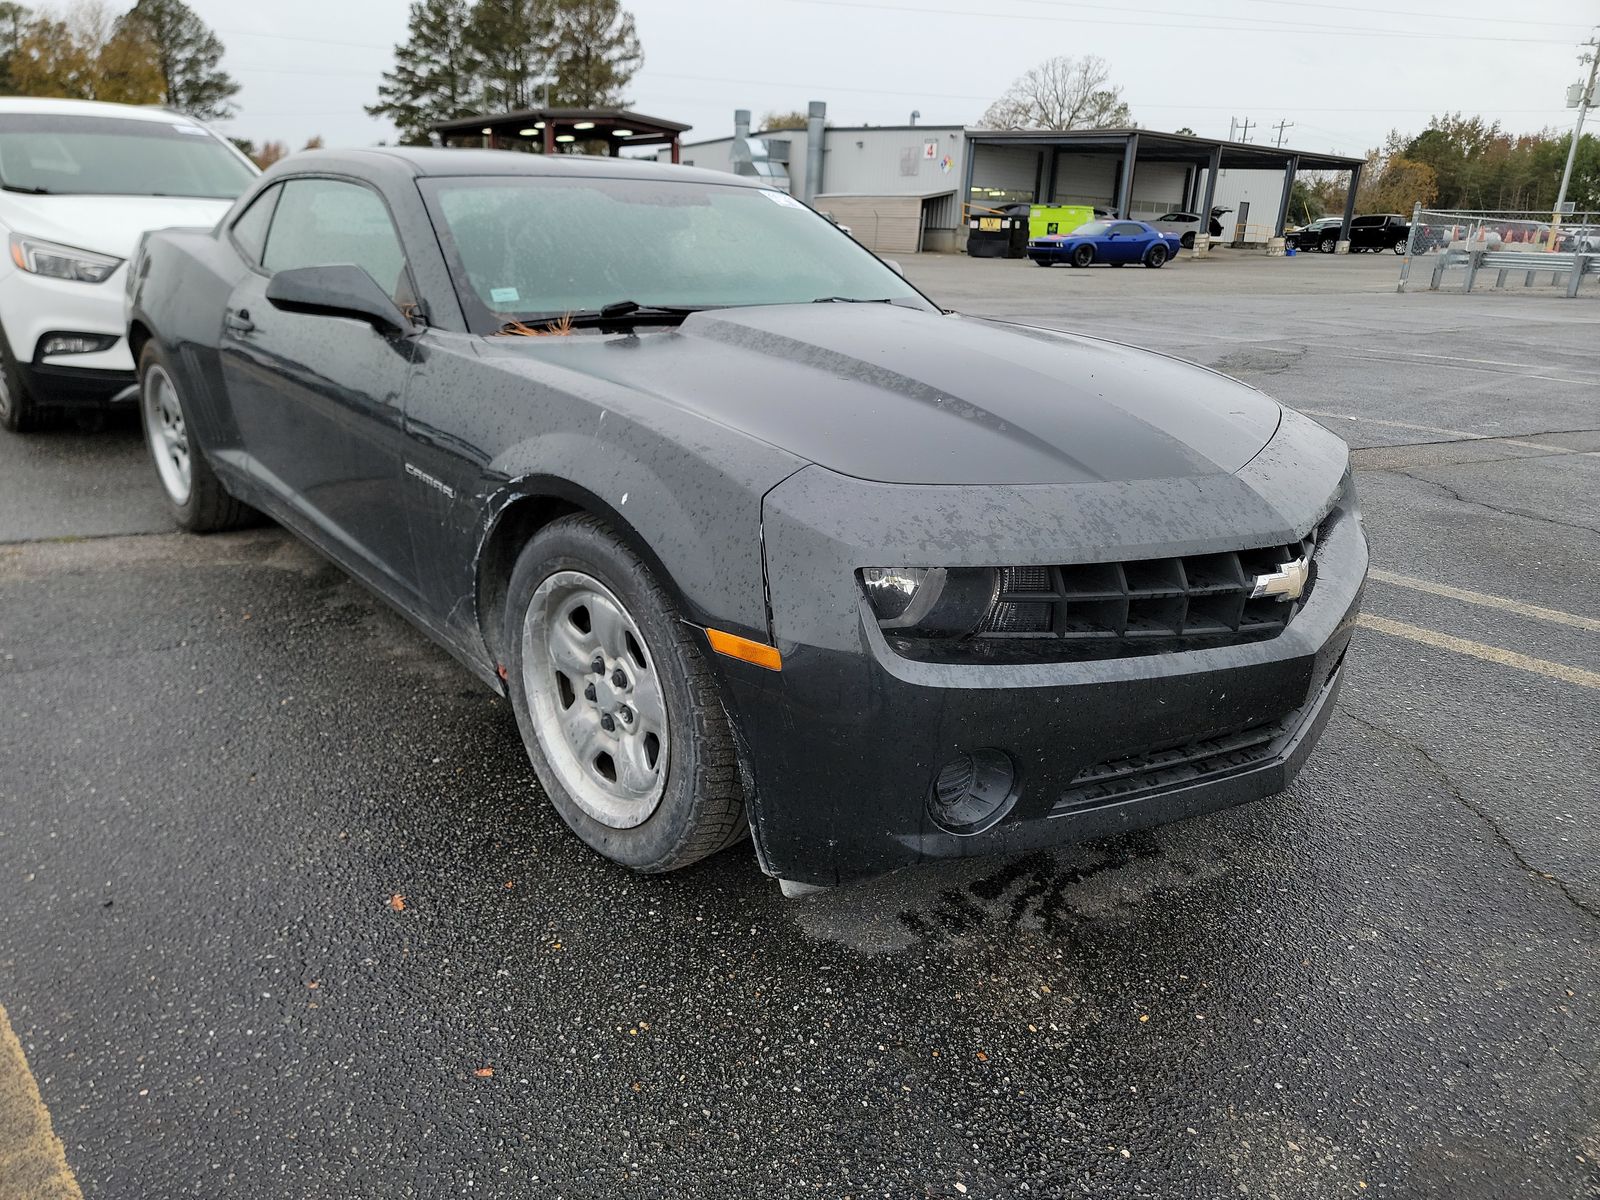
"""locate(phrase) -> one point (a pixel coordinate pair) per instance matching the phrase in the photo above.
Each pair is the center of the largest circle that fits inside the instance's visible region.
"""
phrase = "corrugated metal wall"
(894, 161)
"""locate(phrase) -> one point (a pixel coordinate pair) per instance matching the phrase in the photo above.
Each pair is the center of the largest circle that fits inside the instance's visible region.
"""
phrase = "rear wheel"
(1156, 256)
(618, 710)
(1083, 256)
(1187, 241)
(195, 496)
(1400, 246)
(18, 411)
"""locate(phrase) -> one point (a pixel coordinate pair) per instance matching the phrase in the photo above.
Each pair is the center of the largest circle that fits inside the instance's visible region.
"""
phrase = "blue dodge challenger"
(1114, 242)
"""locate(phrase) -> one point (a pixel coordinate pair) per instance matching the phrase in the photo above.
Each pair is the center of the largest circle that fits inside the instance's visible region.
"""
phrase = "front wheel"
(618, 710)
(195, 496)
(1156, 256)
(18, 412)
(1083, 256)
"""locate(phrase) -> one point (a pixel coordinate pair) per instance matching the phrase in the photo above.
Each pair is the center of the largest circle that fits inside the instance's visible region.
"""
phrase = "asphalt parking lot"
(284, 914)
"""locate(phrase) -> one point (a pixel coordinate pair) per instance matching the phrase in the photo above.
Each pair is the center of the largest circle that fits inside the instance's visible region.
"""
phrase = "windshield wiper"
(851, 300)
(27, 191)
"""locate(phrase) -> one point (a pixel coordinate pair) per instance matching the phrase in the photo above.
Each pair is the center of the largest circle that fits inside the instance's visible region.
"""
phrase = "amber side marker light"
(735, 646)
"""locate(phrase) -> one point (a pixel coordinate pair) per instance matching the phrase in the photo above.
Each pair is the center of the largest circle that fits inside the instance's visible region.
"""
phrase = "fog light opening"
(973, 791)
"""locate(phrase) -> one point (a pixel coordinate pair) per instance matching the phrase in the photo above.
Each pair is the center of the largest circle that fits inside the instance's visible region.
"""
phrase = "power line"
(1280, 26)
(1314, 4)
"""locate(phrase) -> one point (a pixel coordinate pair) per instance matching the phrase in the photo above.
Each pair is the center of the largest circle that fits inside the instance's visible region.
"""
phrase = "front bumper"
(33, 306)
(843, 745)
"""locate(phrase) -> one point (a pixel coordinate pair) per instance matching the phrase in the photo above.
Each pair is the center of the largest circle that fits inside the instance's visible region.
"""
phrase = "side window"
(250, 230)
(328, 222)
(1127, 229)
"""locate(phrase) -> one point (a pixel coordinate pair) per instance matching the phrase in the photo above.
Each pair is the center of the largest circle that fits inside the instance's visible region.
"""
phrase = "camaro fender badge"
(1288, 582)
(440, 485)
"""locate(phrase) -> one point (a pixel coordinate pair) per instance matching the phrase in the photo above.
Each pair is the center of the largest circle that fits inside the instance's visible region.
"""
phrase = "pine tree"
(596, 52)
(435, 74)
(187, 53)
(512, 38)
(14, 19)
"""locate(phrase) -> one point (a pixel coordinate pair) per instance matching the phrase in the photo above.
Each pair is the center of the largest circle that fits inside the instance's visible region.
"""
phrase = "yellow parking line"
(1506, 658)
(33, 1163)
(1526, 610)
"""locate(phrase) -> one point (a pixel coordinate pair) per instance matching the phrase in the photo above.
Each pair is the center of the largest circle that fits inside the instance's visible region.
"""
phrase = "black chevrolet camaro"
(755, 538)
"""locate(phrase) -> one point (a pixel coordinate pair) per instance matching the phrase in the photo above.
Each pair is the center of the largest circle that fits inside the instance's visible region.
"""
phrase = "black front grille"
(1149, 605)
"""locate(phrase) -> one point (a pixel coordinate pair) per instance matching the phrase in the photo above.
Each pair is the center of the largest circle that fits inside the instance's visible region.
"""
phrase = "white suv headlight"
(61, 262)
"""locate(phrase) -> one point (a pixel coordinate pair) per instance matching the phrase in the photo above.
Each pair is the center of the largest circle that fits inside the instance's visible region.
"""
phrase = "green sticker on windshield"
(504, 295)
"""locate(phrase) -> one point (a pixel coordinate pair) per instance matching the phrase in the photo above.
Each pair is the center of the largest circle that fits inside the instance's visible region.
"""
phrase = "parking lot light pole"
(1584, 102)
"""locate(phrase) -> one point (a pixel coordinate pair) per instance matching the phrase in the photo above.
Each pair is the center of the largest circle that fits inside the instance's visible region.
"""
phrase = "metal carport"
(1135, 145)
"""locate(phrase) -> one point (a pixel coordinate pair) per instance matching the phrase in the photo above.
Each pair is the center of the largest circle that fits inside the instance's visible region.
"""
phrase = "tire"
(1119, 264)
(1156, 256)
(1083, 256)
(1400, 246)
(19, 412)
(1187, 241)
(579, 590)
(195, 496)
(1328, 245)
(1043, 262)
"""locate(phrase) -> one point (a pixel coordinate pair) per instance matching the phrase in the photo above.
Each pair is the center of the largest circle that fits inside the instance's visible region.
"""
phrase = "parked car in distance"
(80, 182)
(1322, 234)
(1116, 243)
(755, 538)
(1187, 224)
(1378, 232)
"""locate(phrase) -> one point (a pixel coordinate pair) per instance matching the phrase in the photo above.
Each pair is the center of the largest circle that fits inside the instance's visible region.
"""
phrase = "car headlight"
(61, 262)
(932, 601)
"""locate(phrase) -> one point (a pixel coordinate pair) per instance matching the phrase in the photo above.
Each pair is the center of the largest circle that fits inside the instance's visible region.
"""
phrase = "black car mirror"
(338, 291)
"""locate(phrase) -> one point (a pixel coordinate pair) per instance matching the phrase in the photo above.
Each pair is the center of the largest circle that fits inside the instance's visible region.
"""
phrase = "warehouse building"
(908, 188)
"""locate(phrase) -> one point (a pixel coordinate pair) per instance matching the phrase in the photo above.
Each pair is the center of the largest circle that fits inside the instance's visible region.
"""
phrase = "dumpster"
(997, 232)
(1047, 219)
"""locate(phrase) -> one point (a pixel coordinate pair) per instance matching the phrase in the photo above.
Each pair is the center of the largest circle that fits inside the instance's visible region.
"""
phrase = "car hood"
(899, 395)
(105, 224)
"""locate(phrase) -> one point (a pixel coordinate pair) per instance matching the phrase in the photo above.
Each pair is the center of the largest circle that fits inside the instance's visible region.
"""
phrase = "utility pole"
(1233, 124)
(1585, 102)
(1280, 127)
(1244, 129)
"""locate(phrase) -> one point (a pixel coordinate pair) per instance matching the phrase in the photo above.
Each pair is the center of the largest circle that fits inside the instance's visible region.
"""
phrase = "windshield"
(526, 247)
(116, 156)
(1092, 229)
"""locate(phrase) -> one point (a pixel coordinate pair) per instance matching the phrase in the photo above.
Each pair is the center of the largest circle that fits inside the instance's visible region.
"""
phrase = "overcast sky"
(1343, 73)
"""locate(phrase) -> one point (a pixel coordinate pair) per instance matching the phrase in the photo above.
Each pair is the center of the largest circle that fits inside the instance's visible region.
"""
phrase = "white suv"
(80, 182)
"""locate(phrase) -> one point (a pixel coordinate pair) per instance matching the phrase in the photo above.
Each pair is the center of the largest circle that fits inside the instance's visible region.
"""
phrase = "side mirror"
(895, 267)
(341, 291)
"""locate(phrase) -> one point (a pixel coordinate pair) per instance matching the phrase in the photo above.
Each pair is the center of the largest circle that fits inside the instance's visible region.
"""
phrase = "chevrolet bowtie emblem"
(1288, 582)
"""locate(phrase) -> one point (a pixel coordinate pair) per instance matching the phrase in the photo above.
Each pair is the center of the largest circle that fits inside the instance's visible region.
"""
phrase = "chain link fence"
(1457, 250)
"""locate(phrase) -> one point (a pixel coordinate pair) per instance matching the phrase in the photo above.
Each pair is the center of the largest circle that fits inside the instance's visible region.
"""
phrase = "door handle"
(238, 322)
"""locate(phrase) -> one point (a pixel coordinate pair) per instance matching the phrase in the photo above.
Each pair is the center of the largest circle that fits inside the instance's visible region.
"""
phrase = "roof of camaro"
(437, 162)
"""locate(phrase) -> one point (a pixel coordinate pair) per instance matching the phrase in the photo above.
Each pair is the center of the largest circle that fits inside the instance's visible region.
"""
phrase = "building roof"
(1155, 146)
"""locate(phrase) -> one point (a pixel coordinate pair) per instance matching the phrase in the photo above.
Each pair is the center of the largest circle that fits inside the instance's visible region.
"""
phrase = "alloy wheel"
(597, 704)
(167, 433)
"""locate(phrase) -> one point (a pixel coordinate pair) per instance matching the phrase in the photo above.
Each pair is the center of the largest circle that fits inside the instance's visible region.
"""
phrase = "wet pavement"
(221, 762)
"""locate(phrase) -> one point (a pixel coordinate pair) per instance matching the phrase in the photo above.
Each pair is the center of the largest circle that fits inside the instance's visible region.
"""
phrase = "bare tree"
(1061, 93)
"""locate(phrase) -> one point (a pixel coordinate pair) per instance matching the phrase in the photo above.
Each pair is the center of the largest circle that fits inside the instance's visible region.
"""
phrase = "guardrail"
(1526, 246)
(1528, 262)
